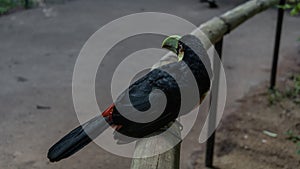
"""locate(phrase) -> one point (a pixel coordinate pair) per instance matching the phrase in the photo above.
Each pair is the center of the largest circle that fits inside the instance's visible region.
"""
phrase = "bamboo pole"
(209, 33)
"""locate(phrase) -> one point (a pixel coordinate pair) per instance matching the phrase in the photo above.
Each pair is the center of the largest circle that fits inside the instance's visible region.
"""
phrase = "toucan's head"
(173, 44)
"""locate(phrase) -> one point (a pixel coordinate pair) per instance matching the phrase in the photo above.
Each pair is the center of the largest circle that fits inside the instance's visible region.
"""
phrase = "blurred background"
(39, 47)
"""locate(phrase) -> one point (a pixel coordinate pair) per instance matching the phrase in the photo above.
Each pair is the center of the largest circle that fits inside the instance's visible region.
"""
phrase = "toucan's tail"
(77, 138)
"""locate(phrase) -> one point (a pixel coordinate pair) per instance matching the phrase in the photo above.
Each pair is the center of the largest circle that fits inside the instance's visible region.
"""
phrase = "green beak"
(171, 43)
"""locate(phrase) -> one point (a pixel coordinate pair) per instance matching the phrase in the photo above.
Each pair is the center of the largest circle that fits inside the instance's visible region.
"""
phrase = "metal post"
(213, 104)
(277, 44)
(26, 4)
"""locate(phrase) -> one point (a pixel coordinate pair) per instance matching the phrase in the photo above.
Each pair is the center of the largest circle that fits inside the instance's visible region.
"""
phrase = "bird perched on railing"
(145, 95)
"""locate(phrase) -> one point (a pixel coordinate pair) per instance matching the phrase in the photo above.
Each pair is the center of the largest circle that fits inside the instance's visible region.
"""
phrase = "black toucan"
(146, 94)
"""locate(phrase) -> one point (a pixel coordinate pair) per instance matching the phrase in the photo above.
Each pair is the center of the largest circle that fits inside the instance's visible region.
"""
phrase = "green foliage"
(292, 5)
(297, 84)
(274, 96)
(292, 92)
(7, 5)
(294, 138)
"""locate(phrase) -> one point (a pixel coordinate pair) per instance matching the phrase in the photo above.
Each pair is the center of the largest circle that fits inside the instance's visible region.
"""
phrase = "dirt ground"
(39, 48)
(240, 140)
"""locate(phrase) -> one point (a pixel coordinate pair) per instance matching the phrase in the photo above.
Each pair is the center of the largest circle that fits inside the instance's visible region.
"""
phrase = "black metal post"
(277, 45)
(213, 107)
(26, 4)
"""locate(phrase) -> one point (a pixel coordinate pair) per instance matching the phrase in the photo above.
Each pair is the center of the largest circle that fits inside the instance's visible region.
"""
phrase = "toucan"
(144, 95)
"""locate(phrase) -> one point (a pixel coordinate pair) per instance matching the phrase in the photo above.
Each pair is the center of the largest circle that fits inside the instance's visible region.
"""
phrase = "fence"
(214, 29)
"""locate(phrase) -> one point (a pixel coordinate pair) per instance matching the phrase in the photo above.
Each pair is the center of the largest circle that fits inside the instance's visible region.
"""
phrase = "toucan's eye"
(180, 49)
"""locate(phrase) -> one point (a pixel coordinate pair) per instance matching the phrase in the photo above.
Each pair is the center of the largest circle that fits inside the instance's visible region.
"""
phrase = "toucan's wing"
(146, 94)
(163, 91)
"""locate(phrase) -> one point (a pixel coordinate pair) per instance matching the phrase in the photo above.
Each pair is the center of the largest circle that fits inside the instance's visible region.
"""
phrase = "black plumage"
(169, 82)
(139, 92)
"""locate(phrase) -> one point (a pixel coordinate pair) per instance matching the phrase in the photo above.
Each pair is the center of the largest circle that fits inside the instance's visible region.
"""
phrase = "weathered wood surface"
(209, 33)
(154, 145)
